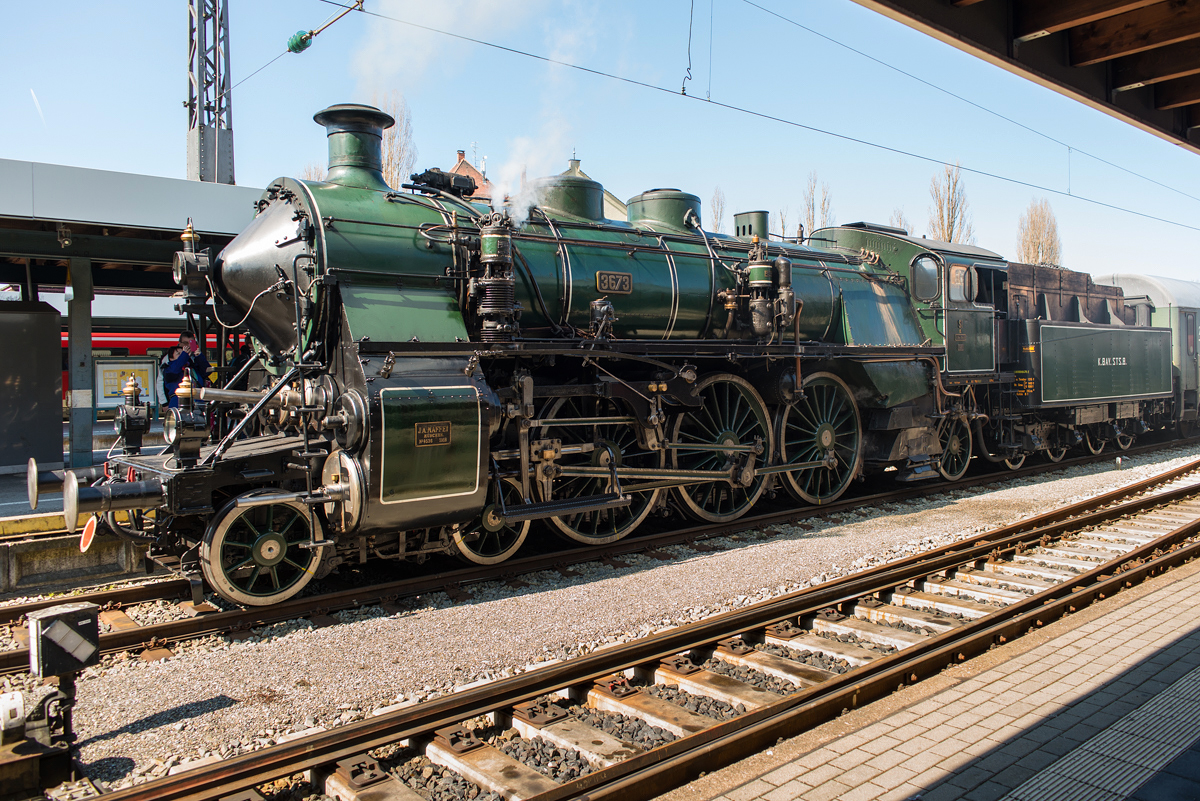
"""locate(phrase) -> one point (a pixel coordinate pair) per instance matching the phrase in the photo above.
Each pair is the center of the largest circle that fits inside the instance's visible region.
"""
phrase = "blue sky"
(111, 81)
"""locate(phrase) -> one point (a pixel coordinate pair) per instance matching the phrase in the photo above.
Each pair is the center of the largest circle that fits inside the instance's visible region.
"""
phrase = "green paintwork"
(413, 471)
(897, 382)
(430, 314)
(970, 331)
(762, 272)
(1079, 363)
(369, 238)
(664, 208)
(897, 254)
(572, 196)
(875, 313)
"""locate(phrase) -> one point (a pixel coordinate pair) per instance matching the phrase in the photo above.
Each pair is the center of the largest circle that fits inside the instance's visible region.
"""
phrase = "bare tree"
(399, 147)
(808, 209)
(716, 217)
(779, 222)
(313, 171)
(816, 213)
(826, 206)
(898, 220)
(1037, 235)
(949, 216)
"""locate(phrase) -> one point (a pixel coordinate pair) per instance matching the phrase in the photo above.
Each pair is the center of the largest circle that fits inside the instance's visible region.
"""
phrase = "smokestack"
(355, 144)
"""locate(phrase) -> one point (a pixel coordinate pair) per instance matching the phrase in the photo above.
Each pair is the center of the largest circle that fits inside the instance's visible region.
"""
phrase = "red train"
(152, 343)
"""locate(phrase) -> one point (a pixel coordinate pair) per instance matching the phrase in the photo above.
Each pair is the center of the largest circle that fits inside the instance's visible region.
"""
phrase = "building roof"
(127, 224)
(483, 187)
(76, 194)
(1135, 60)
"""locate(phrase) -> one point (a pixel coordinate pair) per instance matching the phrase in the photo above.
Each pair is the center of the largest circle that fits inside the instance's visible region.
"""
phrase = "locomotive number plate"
(614, 283)
(429, 434)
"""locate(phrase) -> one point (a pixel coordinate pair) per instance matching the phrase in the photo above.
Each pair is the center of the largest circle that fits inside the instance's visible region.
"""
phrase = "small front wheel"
(254, 555)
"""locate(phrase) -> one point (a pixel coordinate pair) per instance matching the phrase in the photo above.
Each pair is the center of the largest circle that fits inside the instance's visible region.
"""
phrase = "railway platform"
(1102, 705)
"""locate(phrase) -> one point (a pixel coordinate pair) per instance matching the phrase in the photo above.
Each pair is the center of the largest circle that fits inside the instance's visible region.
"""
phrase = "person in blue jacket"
(185, 356)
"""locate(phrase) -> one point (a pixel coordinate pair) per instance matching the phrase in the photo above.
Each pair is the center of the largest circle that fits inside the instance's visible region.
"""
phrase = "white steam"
(396, 56)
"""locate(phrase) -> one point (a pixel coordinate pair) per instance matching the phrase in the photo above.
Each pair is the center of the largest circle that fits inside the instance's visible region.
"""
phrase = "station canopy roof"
(127, 224)
(1137, 60)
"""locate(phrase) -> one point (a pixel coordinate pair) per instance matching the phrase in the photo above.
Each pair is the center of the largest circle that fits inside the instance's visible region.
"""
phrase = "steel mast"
(209, 103)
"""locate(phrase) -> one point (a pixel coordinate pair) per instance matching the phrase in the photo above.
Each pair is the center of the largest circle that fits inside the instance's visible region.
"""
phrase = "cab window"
(959, 280)
(925, 278)
(1190, 325)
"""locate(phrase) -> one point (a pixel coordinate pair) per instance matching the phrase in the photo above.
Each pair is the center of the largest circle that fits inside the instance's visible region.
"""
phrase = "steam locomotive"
(438, 374)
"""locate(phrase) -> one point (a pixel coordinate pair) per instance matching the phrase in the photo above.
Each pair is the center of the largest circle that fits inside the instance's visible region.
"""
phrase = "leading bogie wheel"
(253, 555)
(488, 540)
(732, 414)
(1092, 442)
(954, 434)
(621, 443)
(822, 426)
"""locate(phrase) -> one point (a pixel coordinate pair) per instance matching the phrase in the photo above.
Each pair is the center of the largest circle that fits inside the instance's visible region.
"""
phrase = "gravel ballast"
(217, 698)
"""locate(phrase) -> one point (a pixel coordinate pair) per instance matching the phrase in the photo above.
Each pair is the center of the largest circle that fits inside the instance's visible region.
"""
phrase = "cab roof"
(954, 248)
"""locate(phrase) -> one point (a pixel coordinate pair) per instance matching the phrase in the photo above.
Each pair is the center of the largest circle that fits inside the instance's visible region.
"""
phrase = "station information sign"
(113, 371)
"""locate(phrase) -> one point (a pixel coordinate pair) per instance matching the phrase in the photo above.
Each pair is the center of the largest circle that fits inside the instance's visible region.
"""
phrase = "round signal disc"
(89, 533)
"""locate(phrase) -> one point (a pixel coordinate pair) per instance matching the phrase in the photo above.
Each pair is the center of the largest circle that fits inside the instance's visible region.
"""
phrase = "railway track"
(761, 673)
(154, 641)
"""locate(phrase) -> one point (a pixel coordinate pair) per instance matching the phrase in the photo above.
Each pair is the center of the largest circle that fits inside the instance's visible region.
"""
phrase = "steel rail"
(649, 774)
(17, 659)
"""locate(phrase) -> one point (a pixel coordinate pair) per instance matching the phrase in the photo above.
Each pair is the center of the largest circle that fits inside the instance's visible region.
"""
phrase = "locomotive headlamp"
(190, 271)
(131, 425)
(187, 429)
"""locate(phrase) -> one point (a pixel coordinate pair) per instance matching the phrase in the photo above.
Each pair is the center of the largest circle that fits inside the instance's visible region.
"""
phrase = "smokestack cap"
(354, 118)
(355, 135)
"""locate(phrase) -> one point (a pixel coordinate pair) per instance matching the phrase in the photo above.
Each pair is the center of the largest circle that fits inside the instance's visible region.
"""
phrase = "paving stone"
(749, 791)
(788, 792)
(851, 759)
(827, 791)
(859, 775)
(881, 744)
(785, 773)
(888, 759)
(894, 777)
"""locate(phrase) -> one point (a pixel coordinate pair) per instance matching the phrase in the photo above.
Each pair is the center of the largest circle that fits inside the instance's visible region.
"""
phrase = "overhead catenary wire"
(1070, 148)
(773, 118)
(332, 18)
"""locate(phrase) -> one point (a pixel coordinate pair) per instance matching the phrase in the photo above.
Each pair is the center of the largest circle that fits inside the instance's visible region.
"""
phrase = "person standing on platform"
(185, 356)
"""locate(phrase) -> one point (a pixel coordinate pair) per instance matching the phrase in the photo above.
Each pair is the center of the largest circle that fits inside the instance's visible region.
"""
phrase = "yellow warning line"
(35, 523)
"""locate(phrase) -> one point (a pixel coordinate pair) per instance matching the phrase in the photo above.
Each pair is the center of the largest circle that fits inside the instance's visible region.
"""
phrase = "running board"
(566, 506)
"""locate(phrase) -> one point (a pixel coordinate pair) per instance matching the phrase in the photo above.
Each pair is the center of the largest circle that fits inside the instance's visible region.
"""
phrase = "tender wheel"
(488, 541)
(251, 555)
(1124, 440)
(1092, 442)
(608, 525)
(1056, 455)
(990, 442)
(824, 425)
(733, 413)
(954, 434)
